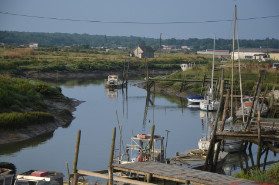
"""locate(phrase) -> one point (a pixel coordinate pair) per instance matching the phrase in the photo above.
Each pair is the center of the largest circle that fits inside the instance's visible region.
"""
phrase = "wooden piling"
(204, 78)
(259, 141)
(151, 141)
(257, 100)
(209, 157)
(221, 128)
(75, 179)
(265, 158)
(110, 167)
(250, 112)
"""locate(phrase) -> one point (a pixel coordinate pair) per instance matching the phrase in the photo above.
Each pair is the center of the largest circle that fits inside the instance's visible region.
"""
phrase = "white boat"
(138, 151)
(247, 105)
(194, 99)
(113, 82)
(7, 173)
(39, 177)
(184, 67)
(210, 104)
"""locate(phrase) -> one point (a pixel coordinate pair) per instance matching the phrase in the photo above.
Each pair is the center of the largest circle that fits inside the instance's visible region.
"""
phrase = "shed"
(144, 52)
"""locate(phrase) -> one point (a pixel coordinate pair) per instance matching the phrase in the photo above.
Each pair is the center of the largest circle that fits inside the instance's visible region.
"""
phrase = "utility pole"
(160, 44)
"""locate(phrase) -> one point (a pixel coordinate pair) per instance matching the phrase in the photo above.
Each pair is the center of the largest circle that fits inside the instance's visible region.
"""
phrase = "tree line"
(130, 42)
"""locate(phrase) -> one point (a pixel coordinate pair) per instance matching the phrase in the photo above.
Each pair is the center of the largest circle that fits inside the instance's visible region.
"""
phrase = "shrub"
(20, 120)
(273, 172)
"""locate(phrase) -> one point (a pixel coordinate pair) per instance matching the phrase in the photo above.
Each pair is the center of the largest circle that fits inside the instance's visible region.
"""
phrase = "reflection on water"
(8, 149)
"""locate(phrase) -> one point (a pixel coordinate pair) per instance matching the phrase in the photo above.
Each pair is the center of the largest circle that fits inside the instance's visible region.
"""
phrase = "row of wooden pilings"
(73, 178)
(211, 159)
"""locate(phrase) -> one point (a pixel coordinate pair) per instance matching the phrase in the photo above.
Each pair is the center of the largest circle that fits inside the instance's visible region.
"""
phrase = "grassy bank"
(250, 72)
(269, 176)
(22, 102)
(20, 120)
(16, 61)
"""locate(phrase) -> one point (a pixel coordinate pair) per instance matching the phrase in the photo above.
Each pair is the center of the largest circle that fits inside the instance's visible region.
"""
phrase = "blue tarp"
(193, 96)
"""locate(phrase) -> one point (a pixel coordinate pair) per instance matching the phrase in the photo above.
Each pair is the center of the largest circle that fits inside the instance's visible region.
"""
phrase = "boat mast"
(240, 79)
(233, 62)
(212, 73)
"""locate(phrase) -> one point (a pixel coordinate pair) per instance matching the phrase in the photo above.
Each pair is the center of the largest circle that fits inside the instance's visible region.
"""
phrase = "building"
(144, 52)
(186, 47)
(260, 54)
(274, 56)
(216, 53)
(33, 45)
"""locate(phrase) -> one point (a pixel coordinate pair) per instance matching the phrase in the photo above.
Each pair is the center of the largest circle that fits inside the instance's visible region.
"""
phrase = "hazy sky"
(144, 11)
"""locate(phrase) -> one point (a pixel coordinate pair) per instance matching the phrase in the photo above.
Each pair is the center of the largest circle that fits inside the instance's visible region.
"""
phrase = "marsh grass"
(269, 176)
(20, 120)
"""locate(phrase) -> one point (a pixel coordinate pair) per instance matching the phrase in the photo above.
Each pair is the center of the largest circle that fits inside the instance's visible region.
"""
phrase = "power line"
(136, 22)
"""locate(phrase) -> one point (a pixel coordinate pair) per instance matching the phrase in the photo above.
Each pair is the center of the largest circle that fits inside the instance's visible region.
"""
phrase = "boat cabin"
(112, 80)
(138, 151)
(6, 176)
(39, 177)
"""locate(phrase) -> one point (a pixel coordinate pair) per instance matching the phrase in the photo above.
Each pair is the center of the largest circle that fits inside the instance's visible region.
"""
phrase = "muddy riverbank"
(61, 108)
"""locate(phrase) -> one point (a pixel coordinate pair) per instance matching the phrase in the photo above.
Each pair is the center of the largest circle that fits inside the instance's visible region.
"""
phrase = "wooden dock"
(179, 174)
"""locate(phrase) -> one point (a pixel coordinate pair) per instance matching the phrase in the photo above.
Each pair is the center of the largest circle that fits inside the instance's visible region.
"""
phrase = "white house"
(33, 45)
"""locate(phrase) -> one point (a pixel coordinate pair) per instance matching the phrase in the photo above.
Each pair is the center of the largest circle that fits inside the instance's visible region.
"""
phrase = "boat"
(194, 99)
(184, 67)
(7, 173)
(114, 82)
(247, 105)
(210, 104)
(38, 177)
(138, 150)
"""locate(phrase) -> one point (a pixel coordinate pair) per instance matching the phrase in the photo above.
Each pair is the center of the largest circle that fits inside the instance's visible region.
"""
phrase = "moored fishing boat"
(114, 82)
(37, 177)
(194, 99)
(139, 150)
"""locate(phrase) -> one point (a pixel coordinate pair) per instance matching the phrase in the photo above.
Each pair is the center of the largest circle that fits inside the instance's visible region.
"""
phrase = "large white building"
(217, 52)
(260, 54)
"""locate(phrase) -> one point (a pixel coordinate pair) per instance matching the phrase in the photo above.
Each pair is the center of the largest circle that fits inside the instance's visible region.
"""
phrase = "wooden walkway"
(179, 174)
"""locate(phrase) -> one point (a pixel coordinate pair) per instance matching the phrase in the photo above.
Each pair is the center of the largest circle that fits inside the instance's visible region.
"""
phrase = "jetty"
(178, 174)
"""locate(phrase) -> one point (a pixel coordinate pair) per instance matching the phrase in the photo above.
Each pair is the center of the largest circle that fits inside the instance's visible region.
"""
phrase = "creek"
(97, 116)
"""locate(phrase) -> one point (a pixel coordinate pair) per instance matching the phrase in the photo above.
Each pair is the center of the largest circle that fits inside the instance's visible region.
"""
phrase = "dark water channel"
(97, 117)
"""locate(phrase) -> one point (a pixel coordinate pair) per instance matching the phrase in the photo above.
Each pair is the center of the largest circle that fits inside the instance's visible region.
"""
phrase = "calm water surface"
(97, 117)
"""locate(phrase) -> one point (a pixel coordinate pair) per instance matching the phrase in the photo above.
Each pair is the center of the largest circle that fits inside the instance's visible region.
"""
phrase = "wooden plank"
(179, 174)
(120, 179)
(245, 136)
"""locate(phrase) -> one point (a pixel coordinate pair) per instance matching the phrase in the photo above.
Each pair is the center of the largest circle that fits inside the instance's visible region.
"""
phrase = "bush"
(273, 172)
(21, 120)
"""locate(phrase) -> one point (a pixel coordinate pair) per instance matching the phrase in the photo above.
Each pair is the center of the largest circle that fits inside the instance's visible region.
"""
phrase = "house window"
(249, 57)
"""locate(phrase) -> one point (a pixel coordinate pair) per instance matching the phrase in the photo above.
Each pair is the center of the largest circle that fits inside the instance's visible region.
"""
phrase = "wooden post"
(257, 100)
(263, 97)
(250, 112)
(209, 157)
(75, 179)
(250, 154)
(68, 172)
(259, 141)
(204, 77)
(149, 177)
(221, 128)
(110, 167)
(151, 141)
(265, 158)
